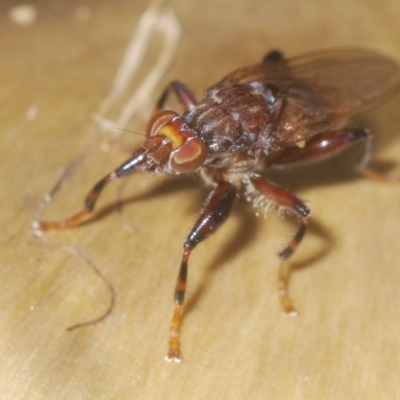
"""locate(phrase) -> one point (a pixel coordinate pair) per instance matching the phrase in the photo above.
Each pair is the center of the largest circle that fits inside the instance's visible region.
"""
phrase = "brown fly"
(269, 115)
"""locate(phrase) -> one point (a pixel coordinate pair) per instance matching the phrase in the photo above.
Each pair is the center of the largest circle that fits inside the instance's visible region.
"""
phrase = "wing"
(323, 90)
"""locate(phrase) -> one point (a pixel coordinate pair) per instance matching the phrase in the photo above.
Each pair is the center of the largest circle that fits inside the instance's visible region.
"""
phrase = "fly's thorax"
(233, 117)
(172, 146)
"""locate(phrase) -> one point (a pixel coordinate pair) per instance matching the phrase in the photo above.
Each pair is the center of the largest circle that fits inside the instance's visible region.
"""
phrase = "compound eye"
(158, 121)
(190, 156)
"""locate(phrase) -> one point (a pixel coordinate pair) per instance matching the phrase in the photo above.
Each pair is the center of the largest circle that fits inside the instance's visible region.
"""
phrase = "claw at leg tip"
(291, 313)
(173, 356)
(36, 228)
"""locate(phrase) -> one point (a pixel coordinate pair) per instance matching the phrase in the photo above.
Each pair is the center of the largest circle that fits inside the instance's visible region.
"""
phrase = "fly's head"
(173, 147)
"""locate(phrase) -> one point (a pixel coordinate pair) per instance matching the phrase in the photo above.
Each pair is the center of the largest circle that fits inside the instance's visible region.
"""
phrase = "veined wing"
(323, 89)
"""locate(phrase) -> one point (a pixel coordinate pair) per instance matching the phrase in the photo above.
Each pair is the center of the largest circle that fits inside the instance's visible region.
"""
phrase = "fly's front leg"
(294, 205)
(216, 211)
(134, 164)
(184, 94)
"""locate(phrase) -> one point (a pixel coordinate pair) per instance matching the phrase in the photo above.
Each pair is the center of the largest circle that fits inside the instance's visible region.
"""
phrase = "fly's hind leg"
(216, 211)
(328, 144)
(317, 148)
(292, 204)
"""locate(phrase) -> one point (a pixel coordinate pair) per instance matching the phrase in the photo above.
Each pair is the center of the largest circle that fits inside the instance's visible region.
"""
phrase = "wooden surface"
(236, 345)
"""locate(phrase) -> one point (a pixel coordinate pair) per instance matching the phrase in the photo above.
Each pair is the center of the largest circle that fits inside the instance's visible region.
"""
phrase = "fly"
(269, 115)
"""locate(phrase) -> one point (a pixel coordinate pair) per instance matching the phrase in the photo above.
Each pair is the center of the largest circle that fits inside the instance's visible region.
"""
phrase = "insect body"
(269, 115)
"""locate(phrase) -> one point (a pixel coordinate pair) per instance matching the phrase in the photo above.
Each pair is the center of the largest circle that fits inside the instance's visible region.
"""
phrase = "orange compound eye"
(158, 121)
(190, 156)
